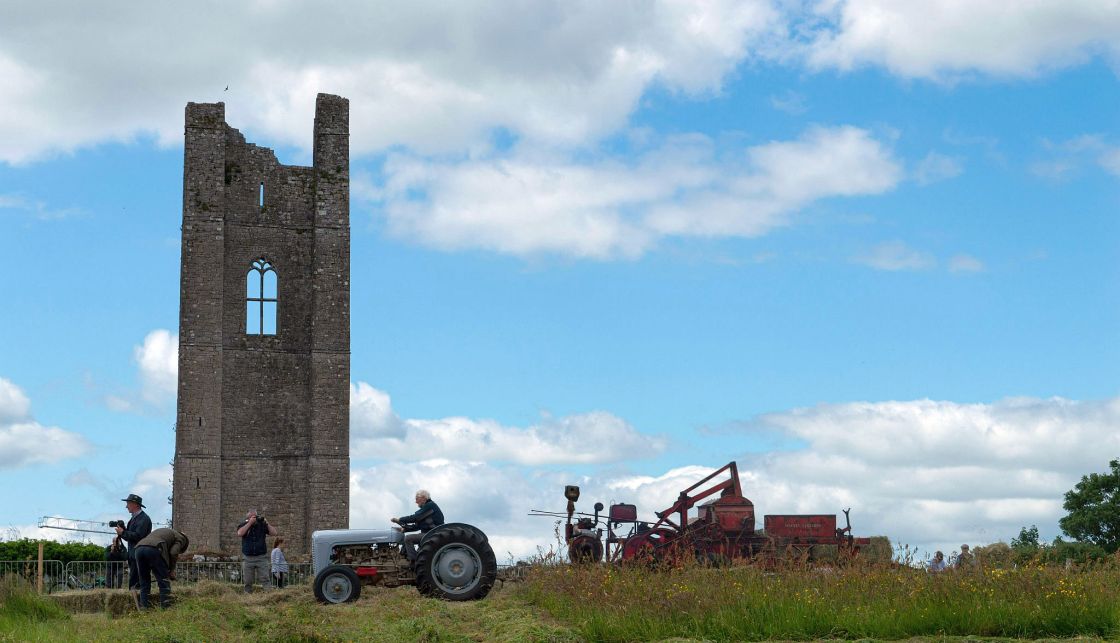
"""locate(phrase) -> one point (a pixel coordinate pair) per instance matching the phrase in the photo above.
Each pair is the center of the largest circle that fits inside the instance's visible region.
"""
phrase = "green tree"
(1027, 540)
(1094, 509)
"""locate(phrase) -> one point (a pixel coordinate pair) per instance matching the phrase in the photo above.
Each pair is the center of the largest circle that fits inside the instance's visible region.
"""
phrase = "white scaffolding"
(74, 524)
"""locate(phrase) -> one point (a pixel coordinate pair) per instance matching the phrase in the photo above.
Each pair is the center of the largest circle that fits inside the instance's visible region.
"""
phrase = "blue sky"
(870, 252)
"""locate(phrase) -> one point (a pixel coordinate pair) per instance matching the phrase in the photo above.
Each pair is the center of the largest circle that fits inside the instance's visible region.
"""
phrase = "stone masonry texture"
(263, 420)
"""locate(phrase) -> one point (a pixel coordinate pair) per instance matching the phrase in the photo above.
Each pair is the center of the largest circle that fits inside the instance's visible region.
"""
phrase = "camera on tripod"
(116, 523)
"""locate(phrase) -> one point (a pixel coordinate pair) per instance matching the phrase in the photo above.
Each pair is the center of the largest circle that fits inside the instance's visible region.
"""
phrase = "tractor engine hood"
(324, 540)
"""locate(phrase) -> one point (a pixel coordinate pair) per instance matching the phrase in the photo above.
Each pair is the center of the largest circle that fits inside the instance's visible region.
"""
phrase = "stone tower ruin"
(264, 333)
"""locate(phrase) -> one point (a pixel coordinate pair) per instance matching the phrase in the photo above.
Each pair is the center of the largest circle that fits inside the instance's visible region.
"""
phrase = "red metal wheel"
(648, 545)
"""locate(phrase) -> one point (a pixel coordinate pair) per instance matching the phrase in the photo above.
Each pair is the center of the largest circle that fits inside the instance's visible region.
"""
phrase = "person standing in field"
(137, 529)
(938, 563)
(965, 559)
(279, 564)
(117, 557)
(254, 552)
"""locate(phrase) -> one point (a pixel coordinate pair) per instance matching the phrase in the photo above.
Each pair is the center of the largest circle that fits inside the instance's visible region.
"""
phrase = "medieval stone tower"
(264, 333)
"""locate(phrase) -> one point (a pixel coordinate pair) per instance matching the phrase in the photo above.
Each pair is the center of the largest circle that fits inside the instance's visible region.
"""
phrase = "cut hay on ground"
(115, 602)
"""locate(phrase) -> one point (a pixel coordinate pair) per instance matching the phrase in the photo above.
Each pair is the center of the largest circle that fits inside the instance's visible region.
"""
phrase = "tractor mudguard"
(449, 525)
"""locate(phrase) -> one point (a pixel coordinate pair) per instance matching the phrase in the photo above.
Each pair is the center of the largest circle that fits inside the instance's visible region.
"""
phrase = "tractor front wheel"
(455, 563)
(338, 584)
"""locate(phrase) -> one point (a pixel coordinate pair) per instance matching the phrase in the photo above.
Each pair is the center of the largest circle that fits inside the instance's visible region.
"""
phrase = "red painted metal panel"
(623, 512)
(801, 526)
(734, 513)
(366, 571)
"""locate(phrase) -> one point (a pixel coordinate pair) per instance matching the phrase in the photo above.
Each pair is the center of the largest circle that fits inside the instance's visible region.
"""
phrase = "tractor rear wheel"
(338, 584)
(455, 563)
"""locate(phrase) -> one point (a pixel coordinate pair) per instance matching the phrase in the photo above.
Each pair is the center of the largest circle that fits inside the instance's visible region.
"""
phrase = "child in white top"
(279, 564)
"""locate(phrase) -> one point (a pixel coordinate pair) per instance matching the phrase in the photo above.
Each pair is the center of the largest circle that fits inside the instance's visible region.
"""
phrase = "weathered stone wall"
(263, 420)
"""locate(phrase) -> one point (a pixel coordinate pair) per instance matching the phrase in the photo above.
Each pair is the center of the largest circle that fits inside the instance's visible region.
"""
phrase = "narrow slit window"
(261, 299)
(261, 200)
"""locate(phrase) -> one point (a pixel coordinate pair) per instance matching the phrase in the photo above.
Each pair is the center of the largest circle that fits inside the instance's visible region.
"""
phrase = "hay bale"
(879, 551)
(119, 602)
(81, 601)
(114, 602)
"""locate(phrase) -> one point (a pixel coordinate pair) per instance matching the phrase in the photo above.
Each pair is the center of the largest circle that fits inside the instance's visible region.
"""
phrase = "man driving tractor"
(426, 518)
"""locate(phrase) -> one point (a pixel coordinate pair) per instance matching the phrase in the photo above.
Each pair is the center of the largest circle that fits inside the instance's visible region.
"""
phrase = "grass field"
(611, 604)
(880, 602)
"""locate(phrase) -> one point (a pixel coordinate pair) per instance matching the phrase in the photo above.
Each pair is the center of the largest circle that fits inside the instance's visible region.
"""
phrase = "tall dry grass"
(608, 603)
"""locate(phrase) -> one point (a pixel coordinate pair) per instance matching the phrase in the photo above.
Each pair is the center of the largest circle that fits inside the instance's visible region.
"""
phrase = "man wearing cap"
(965, 559)
(158, 553)
(137, 529)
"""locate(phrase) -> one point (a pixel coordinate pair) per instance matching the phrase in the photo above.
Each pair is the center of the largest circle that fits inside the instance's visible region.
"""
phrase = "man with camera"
(137, 529)
(255, 564)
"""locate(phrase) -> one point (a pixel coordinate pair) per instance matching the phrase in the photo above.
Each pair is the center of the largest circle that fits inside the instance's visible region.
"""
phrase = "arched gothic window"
(261, 299)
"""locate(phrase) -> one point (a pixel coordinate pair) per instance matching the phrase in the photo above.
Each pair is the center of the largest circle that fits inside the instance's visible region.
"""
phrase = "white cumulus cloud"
(594, 437)
(931, 474)
(948, 39)
(23, 441)
(157, 363)
(444, 76)
(434, 76)
(936, 473)
(526, 202)
(158, 359)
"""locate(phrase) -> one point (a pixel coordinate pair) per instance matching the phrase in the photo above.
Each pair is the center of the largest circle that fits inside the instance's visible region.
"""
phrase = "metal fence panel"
(53, 572)
(190, 571)
(100, 574)
(230, 572)
(300, 574)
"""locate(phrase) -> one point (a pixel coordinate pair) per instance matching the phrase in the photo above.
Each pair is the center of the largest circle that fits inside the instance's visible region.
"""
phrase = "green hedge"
(28, 549)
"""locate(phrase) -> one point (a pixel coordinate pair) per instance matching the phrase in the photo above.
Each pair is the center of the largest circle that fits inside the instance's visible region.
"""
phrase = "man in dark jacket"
(159, 553)
(137, 529)
(425, 519)
(255, 562)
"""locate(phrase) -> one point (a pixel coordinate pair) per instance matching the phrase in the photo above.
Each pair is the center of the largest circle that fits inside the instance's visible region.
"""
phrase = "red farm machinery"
(722, 529)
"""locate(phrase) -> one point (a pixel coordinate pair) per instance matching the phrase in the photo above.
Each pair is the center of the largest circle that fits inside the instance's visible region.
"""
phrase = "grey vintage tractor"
(454, 562)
